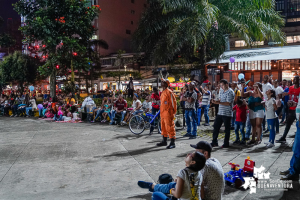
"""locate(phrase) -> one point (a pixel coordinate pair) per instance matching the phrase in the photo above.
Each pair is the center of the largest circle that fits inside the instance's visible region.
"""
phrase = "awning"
(271, 53)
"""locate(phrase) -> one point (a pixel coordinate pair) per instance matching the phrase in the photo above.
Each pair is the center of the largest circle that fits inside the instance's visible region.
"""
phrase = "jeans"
(27, 110)
(290, 118)
(248, 127)
(41, 112)
(190, 116)
(58, 118)
(15, 109)
(284, 111)
(99, 114)
(198, 116)
(239, 126)
(113, 114)
(233, 118)
(154, 111)
(137, 112)
(271, 127)
(161, 189)
(205, 109)
(217, 125)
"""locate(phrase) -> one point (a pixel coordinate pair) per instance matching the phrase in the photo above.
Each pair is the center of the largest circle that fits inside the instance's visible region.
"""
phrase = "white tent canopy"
(271, 53)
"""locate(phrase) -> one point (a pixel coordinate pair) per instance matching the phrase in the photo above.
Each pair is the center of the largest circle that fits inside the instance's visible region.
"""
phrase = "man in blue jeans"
(293, 172)
(205, 103)
(190, 111)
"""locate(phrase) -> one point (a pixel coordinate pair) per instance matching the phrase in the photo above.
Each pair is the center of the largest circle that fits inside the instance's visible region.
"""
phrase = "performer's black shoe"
(294, 177)
(172, 144)
(163, 143)
(286, 172)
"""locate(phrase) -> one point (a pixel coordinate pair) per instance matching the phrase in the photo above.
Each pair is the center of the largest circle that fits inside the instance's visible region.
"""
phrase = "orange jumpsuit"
(168, 109)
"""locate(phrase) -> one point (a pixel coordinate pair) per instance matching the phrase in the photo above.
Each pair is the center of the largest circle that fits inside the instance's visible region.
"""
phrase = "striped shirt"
(206, 98)
(226, 96)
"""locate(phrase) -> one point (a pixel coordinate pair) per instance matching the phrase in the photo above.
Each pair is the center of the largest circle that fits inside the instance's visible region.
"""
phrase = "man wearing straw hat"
(168, 109)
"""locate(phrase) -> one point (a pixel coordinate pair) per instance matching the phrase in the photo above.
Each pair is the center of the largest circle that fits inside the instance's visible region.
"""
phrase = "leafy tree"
(167, 27)
(64, 29)
(19, 68)
(6, 41)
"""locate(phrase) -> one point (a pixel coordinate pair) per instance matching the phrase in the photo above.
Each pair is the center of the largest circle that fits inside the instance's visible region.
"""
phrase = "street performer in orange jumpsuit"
(168, 109)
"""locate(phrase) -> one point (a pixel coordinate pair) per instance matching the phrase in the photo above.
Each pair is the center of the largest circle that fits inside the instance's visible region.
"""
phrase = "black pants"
(290, 118)
(217, 125)
(216, 109)
(130, 93)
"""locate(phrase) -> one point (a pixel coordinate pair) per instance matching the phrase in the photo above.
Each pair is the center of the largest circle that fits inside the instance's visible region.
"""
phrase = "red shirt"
(241, 113)
(121, 104)
(156, 101)
(294, 95)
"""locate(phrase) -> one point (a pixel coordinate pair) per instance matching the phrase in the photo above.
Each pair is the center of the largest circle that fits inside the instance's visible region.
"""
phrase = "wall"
(115, 18)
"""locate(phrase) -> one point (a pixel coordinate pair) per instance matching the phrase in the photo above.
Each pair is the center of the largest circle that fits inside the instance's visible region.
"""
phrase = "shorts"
(257, 114)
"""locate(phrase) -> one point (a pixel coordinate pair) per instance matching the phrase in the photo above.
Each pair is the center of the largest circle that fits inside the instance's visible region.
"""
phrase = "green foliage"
(64, 28)
(167, 27)
(6, 41)
(19, 68)
(116, 74)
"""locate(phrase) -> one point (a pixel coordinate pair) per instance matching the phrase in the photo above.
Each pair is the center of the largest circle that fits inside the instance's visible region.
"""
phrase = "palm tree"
(168, 26)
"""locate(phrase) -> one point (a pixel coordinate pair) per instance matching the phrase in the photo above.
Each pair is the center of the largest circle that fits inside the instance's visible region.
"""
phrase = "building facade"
(264, 57)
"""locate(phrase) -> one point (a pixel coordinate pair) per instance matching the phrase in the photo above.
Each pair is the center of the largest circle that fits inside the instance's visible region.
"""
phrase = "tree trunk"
(203, 56)
(21, 87)
(72, 72)
(87, 84)
(53, 84)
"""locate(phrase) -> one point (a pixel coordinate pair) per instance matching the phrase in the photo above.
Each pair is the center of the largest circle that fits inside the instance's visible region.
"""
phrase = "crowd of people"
(244, 108)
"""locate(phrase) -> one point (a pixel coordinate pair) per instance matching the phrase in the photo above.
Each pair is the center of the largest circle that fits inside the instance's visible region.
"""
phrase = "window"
(132, 22)
(128, 32)
(293, 39)
(240, 43)
(290, 39)
(280, 5)
(293, 20)
(258, 43)
(132, 12)
(132, 1)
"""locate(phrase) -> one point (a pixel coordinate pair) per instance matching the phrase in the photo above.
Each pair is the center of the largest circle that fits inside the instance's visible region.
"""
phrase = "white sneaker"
(266, 143)
(270, 145)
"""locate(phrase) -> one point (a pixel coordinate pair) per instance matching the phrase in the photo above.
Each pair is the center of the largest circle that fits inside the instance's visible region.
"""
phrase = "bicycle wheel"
(137, 124)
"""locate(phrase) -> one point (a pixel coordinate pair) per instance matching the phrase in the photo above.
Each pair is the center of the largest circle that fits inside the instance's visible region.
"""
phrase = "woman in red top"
(240, 120)
(155, 97)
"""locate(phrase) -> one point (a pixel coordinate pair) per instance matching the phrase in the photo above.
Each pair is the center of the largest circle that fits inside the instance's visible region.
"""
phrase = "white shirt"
(278, 90)
(270, 111)
(184, 175)
(265, 88)
(135, 103)
(217, 95)
(147, 105)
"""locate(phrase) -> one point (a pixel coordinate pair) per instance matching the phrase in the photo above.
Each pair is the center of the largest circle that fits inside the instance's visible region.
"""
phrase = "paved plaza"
(47, 160)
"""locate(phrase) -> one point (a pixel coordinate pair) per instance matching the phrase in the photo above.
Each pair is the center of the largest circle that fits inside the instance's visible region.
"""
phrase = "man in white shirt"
(278, 90)
(147, 104)
(266, 86)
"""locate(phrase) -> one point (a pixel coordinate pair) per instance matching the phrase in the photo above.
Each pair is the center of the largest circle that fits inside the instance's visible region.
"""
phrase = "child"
(106, 112)
(271, 116)
(240, 121)
(187, 184)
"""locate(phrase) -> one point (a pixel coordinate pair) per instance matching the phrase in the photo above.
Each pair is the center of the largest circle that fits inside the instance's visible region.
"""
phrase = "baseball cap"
(204, 145)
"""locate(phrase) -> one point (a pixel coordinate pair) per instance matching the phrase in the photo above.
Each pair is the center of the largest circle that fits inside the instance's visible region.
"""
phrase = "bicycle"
(138, 123)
